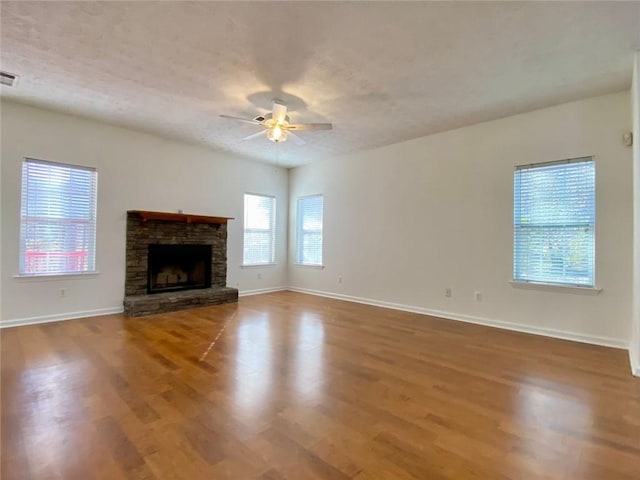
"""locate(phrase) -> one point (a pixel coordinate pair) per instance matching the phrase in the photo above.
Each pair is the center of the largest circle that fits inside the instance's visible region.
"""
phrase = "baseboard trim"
(19, 322)
(634, 361)
(259, 291)
(547, 332)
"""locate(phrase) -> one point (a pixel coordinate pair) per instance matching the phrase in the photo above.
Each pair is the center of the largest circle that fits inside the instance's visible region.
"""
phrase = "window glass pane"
(58, 218)
(259, 229)
(309, 230)
(554, 223)
(258, 211)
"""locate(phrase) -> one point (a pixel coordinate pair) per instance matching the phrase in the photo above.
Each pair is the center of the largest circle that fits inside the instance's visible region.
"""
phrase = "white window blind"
(554, 222)
(309, 230)
(259, 229)
(57, 218)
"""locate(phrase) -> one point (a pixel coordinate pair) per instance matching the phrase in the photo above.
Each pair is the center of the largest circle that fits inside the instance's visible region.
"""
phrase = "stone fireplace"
(174, 262)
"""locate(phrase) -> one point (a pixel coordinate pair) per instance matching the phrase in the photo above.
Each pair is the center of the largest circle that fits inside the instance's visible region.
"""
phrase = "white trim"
(260, 291)
(18, 322)
(634, 360)
(258, 265)
(260, 195)
(59, 164)
(547, 332)
(309, 265)
(555, 287)
(55, 276)
(564, 161)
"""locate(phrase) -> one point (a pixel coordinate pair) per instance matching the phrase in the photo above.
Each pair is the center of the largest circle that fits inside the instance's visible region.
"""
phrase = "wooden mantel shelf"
(179, 217)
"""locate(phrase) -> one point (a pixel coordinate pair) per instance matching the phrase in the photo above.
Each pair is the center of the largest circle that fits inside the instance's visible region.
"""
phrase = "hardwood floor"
(291, 386)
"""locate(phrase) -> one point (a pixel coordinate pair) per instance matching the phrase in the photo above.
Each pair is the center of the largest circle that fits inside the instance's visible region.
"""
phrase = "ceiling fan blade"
(245, 120)
(309, 126)
(296, 139)
(261, 133)
(279, 111)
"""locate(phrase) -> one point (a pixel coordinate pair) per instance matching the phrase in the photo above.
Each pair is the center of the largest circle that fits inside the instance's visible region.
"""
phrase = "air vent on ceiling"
(8, 79)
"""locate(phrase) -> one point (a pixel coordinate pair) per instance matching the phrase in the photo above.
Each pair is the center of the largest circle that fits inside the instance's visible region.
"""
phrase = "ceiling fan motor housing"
(268, 116)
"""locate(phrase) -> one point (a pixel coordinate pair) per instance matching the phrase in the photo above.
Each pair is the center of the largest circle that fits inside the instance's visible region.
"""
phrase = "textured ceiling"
(380, 72)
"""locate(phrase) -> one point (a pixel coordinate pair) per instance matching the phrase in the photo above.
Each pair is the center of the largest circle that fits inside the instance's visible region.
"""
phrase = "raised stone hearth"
(139, 305)
(149, 230)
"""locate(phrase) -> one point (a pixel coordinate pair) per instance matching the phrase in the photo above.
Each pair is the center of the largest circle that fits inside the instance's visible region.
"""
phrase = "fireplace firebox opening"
(178, 267)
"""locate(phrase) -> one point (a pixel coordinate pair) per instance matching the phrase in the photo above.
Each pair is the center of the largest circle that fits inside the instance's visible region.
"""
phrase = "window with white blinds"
(259, 229)
(309, 230)
(57, 218)
(554, 222)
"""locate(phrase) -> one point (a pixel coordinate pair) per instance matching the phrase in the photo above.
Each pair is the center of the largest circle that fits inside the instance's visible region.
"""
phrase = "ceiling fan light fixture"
(277, 134)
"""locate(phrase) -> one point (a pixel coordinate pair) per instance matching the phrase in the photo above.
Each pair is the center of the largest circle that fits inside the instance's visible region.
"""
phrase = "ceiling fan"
(277, 127)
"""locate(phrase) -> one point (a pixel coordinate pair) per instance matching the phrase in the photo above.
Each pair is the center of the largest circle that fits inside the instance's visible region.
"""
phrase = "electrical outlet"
(448, 292)
(259, 276)
(339, 278)
(63, 292)
(477, 295)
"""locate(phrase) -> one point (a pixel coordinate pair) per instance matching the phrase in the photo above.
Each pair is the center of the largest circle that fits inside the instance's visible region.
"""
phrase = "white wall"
(634, 350)
(136, 171)
(403, 222)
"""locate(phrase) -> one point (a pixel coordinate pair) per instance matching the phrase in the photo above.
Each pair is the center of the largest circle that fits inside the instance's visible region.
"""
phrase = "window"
(57, 218)
(554, 222)
(259, 229)
(309, 230)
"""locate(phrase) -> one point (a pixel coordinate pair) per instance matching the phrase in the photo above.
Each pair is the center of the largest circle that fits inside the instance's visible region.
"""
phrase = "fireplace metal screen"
(178, 267)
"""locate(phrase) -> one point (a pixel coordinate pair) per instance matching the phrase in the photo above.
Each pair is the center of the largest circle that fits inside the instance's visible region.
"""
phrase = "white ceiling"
(380, 72)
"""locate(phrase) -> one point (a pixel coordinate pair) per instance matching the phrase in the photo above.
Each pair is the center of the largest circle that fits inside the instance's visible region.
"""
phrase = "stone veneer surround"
(144, 228)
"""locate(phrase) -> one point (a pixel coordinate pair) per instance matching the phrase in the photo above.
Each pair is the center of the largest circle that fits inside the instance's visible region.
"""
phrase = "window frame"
(547, 285)
(91, 222)
(271, 230)
(300, 232)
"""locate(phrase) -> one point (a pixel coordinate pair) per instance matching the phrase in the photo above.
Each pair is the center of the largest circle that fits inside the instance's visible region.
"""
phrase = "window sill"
(555, 287)
(258, 265)
(309, 265)
(55, 276)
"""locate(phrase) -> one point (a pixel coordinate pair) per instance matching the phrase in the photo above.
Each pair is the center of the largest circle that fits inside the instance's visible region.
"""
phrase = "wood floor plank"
(287, 386)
